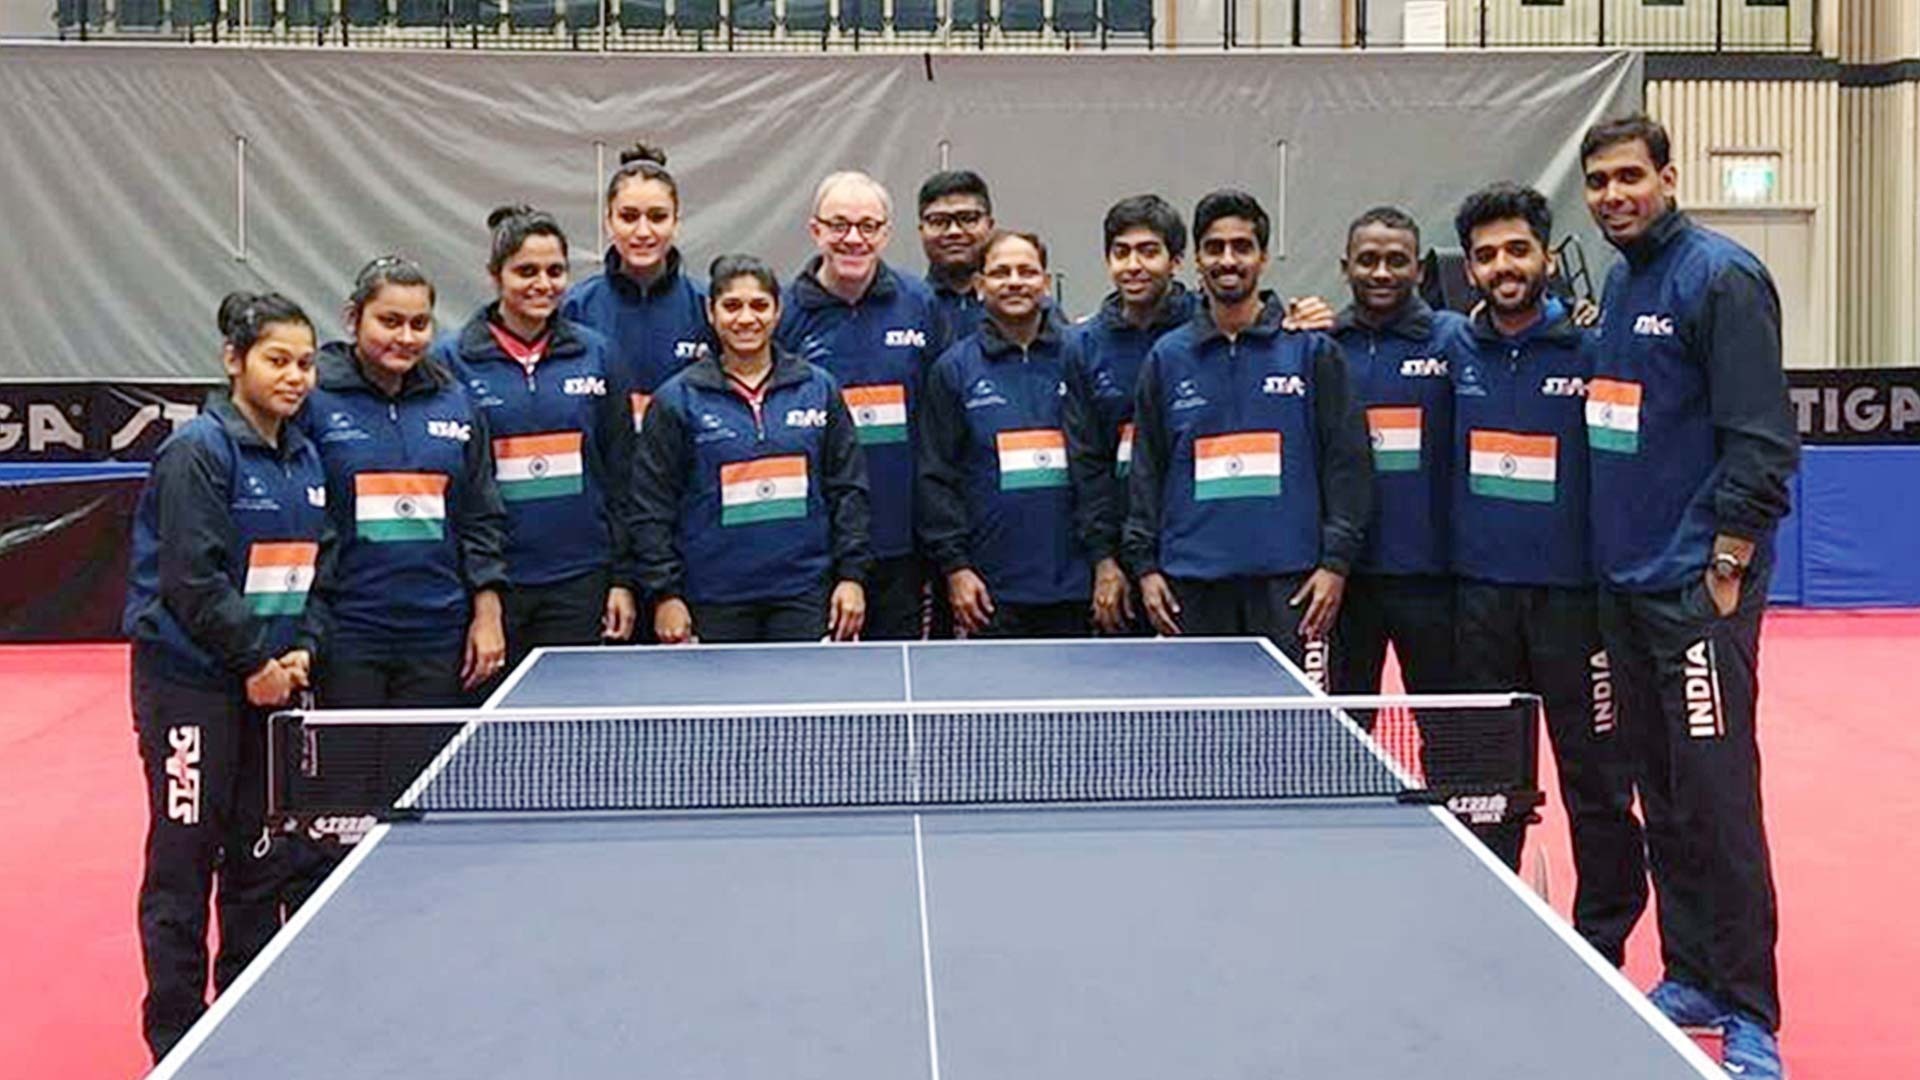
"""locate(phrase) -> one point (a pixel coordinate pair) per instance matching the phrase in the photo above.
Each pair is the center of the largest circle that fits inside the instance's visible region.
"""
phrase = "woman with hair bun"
(750, 489)
(229, 538)
(642, 302)
(410, 485)
(559, 441)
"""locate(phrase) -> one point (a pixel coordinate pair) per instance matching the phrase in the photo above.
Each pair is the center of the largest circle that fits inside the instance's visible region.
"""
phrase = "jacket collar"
(1413, 321)
(477, 344)
(1175, 307)
(1272, 310)
(1554, 328)
(810, 294)
(707, 373)
(220, 406)
(340, 371)
(995, 345)
(616, 274)
(941, 288)
(1657, 238)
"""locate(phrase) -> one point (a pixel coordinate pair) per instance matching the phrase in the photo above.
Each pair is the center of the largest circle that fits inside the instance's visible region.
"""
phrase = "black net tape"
(894, 758)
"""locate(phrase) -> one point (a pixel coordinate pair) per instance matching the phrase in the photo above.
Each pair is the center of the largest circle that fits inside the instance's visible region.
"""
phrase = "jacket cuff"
(1338, 565)
(246, 663)
(1751, 528)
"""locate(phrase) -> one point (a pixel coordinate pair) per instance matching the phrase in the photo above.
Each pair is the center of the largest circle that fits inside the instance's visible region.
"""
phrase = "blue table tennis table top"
(1326, 940)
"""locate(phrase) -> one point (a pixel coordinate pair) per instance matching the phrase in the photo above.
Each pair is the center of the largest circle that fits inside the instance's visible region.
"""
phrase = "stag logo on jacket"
(806, 418)
(1287, 385)
(317, 496)
(1423, 367)
(906, 339)
(1653, 326)
(584, 386)
(1563, 386)
(450, 429)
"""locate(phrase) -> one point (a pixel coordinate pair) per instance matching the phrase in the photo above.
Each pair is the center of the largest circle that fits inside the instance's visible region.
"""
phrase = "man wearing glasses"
(956, 218)
(875, 330)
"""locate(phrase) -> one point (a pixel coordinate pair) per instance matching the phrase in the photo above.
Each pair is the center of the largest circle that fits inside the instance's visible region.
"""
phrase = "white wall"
(26, 18)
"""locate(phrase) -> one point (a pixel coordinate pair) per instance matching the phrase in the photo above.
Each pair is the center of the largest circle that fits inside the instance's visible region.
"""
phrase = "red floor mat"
(1839, 741)
(70, 857)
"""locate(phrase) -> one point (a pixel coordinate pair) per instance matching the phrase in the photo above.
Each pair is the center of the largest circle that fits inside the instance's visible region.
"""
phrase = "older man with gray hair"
(876, 330)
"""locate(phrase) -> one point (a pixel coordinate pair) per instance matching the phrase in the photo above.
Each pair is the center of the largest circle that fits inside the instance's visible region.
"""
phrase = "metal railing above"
(942, 25)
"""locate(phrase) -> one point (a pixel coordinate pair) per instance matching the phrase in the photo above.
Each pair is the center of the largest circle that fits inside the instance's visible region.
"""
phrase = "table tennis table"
(1345, 938)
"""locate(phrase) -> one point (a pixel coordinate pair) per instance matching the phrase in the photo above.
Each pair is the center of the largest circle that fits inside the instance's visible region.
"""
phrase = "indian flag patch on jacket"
(538, 466)
(1239, 465)
(763, 489)
(279, 573)
(1613, 416)
(1395, 431)
(394, 506)
(879, 412)
(1032, 458)
(637, 403)
(1123, 455)
(1506, 465)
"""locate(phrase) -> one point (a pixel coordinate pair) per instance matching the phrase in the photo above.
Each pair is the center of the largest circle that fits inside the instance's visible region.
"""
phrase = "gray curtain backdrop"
(142, 183)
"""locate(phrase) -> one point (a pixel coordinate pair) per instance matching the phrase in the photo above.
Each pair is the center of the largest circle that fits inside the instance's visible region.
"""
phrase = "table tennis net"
(652, 759)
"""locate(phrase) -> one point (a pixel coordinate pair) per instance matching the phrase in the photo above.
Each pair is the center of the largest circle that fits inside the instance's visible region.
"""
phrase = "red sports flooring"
(1841, 745)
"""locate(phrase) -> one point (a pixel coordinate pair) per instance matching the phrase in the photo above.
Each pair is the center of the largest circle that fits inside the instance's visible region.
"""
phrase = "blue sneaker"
(1691, 1009)
(1749, 1050)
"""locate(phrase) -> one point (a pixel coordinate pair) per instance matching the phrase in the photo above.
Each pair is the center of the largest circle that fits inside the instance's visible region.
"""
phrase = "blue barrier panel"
(1860, 522)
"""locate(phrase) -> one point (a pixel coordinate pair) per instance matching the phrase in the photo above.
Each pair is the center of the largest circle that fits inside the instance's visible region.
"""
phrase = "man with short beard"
(1693, 446)
(1250, 486)
(1525, 609)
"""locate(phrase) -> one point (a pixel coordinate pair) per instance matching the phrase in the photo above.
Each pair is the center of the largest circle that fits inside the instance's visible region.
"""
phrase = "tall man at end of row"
(1693, 446)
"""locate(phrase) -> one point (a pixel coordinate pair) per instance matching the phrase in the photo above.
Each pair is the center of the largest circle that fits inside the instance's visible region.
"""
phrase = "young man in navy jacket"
(1250, 486)
(876, 331)
(1693, 446)
(1401, 590)
(1145, 242)
(1012, 485)
(1525, 608)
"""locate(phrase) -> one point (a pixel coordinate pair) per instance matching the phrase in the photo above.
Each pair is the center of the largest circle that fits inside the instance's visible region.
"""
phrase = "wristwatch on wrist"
(1727, 565)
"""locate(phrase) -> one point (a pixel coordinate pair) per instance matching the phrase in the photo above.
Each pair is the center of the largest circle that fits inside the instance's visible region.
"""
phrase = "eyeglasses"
(838, 228)
(940, 221)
